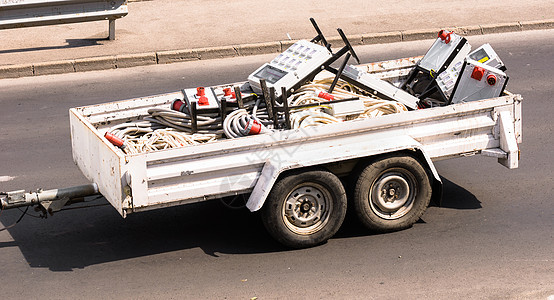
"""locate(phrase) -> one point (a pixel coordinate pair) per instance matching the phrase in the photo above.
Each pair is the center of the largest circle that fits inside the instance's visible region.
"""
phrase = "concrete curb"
(173, 56)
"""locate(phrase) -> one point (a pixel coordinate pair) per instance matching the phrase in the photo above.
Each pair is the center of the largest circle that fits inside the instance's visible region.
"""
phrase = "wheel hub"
(392, 194)
(305, 208)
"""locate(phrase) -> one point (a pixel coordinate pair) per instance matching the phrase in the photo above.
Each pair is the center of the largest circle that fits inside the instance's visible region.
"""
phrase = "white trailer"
(300, 178)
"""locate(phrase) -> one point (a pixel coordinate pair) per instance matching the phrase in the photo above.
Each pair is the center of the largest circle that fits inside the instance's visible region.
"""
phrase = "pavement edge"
(173, 56)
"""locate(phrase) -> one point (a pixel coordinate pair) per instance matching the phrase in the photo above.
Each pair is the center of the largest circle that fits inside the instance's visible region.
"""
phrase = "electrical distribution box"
(381, 87)
(290, 67)
(205, 98)
(486, 55)
(447, 50)
(446, 54)
(478, 81)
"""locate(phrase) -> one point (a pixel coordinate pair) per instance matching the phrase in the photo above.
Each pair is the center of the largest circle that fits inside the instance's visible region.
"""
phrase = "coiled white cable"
(164, 139)
(236, 123)
(308, 94)
(165, 128)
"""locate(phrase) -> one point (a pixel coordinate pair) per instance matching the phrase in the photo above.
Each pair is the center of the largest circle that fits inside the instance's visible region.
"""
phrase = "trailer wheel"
(392, 193)
(305, 209)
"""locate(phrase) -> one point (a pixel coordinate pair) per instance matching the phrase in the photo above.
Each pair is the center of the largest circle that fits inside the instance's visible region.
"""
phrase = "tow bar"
(48, 201)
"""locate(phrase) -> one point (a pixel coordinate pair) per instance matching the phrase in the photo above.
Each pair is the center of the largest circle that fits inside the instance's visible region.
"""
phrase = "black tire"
(404, 193)
(305, 208)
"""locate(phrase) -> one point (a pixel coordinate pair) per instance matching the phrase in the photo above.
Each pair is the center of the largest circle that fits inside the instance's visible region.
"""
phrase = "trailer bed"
(250, 165)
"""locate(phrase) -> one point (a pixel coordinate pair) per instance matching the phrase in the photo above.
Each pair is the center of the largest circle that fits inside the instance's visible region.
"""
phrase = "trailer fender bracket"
(274, 167)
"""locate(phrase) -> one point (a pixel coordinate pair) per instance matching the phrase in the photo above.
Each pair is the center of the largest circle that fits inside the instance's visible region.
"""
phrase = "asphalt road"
(491, 239)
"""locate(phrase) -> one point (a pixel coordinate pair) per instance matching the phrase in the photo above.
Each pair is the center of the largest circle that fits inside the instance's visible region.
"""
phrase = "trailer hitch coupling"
(48, 201)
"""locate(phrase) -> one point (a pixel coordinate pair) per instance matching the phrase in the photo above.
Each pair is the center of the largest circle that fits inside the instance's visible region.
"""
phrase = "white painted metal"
(251, 164)
(27, 13)
(289, 67)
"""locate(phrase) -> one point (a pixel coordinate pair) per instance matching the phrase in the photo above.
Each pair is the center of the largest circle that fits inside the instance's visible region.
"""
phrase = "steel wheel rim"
(392, 195)
(306, 208)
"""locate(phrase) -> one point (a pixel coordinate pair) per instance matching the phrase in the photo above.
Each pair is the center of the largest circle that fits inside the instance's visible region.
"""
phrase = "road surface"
(492, 237)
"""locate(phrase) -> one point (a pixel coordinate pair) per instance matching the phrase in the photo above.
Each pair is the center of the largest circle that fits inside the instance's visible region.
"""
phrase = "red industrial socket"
(491, 79)
(200, 91)
(477, 73)
(445, 36)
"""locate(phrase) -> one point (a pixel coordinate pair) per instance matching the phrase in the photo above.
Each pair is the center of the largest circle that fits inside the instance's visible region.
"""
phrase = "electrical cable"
(313, 116)
(160, 139)
(166, 128)
(237, 124)
(21, 217)
(30, 215)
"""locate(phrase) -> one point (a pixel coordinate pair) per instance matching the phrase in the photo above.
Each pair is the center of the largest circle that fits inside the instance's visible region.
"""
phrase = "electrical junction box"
(486, 55)
(380, 87)
(290, 67)
(343, 109)
(205, 98)
(227, 93)
(478, 81)
(447, 50)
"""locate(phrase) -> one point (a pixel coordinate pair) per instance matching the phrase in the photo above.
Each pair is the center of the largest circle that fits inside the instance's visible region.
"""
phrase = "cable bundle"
(160, 139)
(313, 116)
(166, 128)
(240, 123)
(375, 107)
(182, 121)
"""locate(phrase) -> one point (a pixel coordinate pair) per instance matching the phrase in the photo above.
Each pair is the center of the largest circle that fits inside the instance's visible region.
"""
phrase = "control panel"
(290, 67)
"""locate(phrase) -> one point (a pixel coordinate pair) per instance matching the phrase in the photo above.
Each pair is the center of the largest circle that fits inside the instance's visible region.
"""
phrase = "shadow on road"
(71, 43)
(457, 197)
(80, 238)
